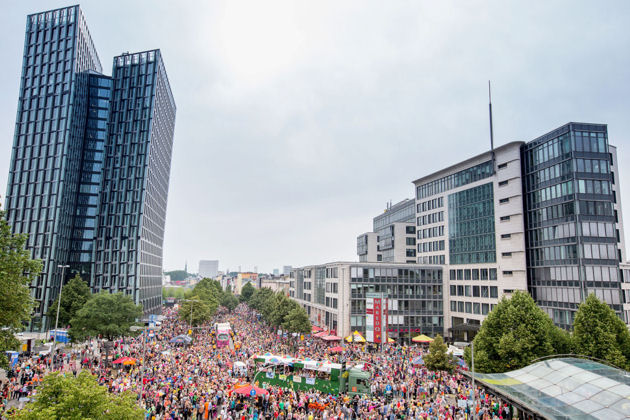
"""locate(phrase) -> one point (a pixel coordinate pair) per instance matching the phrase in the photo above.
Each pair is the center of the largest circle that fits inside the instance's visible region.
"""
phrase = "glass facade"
(458, 179)
(83, 141)
(471, 234)
(47, 153)
(570, 222)
(414, 296)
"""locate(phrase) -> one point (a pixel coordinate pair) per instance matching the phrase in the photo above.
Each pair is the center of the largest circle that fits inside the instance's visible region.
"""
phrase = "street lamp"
(191, 308)
(63, 271)
(144, 350)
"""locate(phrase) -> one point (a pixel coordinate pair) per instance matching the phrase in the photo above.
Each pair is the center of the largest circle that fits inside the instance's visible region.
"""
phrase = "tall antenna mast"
(491, 127)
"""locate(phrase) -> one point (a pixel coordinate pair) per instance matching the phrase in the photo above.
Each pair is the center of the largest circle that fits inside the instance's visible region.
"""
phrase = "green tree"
(229, 301)
(281, 306)
(599, 332)
(513, 334)
(201, 313)
(438, 357)
(69, 398)
(107, 314)
(297, 321)
(73, 297)
(246, 292)
(17, 272)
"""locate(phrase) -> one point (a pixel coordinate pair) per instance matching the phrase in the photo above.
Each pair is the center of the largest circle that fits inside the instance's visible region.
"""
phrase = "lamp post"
(472, 362)
(63, 271)
(191, 308)
(144, 350)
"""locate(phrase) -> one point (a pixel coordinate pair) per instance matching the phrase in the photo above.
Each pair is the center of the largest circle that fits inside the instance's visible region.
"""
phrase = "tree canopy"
(107, 314)
(69, 398)
(177, 275)
(73, 297)
(515, 333)
(598, 332)
(280, 311)
(246, 292)
(200, 314)
(17, 271)
(438, 357)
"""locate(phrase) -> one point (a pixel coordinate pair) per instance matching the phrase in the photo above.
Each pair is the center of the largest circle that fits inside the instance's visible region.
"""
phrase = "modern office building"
(334, 296)
(286, 270)
(90, 164)
(393, 238)
(209, 268)
(543, 216)
(573, 220)
(469, 217)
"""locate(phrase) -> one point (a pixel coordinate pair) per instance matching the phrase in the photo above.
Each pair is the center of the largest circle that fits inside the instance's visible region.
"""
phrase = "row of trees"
(201, 303)
(517, 332)
(280, 311)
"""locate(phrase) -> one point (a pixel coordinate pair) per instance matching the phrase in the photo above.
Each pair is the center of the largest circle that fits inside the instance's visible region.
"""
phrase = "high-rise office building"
(394, 236)
(90, 164)
(543, 216)
(209, 268)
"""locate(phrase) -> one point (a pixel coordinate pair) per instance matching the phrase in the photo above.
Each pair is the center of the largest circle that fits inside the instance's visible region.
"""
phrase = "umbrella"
(331, 338)
(247, 390)
(181, 339)
(336, 349)
(355, 337)
(418, 361)
(125, 361)
(422, 339)
(317, 329)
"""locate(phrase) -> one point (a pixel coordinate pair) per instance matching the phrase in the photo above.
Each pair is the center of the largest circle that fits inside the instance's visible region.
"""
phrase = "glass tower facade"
(570, 221)
(471, 226)
(66, 167)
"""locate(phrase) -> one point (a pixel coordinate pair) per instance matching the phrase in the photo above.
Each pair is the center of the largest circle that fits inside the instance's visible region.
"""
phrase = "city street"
(198, 381)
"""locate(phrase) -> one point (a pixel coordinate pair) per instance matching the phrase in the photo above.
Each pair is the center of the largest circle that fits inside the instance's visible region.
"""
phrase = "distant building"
(243, 278)
(393, 238)
(286, 270)
(276, 272)
(209, 268)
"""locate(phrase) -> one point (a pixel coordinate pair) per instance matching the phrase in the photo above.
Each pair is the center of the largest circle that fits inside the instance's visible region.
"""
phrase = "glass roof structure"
(566, 388)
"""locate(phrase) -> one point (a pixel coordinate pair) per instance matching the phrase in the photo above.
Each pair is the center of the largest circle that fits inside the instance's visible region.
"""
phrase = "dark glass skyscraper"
(90, 164)
(571, 224)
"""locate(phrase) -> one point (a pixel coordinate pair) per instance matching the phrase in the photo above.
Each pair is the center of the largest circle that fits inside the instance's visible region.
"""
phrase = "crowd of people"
(197, 381)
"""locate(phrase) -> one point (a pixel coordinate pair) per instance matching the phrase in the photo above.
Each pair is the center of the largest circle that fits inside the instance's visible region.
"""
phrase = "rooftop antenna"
(491, 128)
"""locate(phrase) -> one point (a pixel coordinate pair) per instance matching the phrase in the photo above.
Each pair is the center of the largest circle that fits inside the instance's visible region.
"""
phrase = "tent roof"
(563, 388)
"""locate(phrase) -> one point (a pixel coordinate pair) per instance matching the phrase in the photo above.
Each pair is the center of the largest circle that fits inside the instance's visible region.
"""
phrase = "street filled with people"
(200, 380)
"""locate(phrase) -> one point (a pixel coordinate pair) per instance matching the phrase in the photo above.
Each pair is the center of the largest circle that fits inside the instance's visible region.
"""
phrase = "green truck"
(306, 374)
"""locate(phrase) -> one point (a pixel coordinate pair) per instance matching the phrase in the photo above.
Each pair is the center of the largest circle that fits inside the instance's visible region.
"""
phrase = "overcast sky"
(297, 121)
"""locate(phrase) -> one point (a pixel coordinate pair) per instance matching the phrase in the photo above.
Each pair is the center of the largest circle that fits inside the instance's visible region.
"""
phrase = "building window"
(507, 273)
(506, 236)
(506, 254)
(502, 165)
(503, 183)
(504, 200)
(505, 218)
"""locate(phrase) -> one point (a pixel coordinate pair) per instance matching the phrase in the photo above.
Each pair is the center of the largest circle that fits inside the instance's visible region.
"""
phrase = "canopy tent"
(336, 349)
(125, 361)
(247, 390)
(316, 329)
(325, 366)
(331, 338)
(455, 351)
(181, 339)
(422, 339)
(321, 334)
(390, 340)
(418, 361)
(355, 337)
(239, 364)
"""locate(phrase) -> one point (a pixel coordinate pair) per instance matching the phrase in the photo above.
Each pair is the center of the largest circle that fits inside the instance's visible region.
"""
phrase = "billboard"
(376, 318)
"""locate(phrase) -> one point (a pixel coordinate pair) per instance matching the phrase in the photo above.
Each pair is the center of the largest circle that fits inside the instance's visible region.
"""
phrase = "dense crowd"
(197, 381)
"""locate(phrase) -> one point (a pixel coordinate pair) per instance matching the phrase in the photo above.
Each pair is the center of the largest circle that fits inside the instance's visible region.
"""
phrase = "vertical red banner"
(377, 320)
